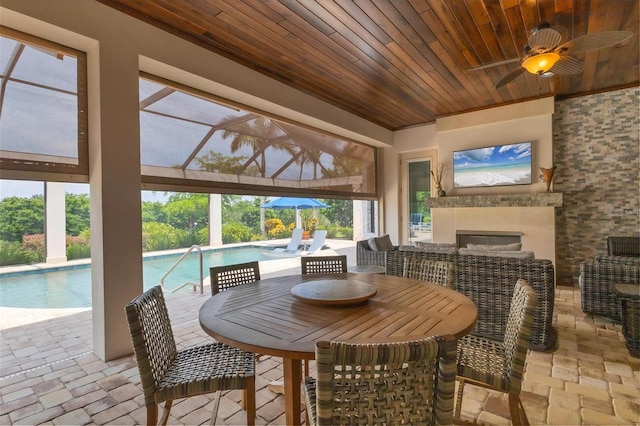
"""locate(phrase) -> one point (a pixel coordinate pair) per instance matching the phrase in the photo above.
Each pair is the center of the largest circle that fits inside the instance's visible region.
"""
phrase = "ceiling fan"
(545, 56)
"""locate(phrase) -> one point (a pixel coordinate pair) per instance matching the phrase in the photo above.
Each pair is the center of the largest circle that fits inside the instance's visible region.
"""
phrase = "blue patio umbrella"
(294, 203)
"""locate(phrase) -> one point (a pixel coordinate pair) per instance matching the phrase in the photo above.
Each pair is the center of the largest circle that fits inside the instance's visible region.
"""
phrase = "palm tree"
(310, 157)
(259, 134)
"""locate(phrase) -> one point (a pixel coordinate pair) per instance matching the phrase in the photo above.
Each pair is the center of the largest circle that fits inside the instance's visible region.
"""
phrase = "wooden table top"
(264, 317)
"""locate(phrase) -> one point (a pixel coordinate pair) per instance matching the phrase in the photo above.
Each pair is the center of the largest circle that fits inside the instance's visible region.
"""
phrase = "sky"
(27, 189)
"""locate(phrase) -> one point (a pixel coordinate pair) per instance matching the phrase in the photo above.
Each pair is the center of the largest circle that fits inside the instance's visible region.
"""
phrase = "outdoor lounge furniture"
(394, 383)
(629, 296)
(224, 277)
(488, 281)
(433, 271)
(596, 278)
(623, 246)
(168, 374)
(294, 243)
(317, 243)
(324, 264)
(499, 364)
(365, 255)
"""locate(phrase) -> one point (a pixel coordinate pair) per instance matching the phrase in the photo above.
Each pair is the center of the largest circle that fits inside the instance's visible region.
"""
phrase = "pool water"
(71, 288)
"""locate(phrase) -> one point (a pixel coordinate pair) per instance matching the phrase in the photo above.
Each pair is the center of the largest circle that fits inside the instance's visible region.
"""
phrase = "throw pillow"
(383, 243)
(496, 247)
(372, 244)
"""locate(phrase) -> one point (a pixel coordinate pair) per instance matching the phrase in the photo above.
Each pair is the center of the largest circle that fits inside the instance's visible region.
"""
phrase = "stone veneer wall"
(596, 142)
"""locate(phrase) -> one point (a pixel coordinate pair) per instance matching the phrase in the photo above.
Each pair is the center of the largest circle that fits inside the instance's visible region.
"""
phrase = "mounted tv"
(497, 165)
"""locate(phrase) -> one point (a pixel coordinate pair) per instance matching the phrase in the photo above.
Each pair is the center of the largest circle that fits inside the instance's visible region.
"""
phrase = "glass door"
(418, 188)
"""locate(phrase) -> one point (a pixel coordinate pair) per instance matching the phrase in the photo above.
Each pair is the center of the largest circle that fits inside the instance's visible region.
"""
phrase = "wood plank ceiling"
(400, 63)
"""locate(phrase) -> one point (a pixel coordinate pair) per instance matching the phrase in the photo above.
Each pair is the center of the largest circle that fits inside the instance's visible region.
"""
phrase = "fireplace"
(487, 237)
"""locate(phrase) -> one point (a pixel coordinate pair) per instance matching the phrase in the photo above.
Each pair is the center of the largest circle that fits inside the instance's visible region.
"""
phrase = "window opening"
(192, 138)
(43, 111)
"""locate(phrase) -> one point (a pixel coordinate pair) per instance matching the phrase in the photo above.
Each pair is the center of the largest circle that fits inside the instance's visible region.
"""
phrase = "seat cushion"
(514, 254)
(496, 247)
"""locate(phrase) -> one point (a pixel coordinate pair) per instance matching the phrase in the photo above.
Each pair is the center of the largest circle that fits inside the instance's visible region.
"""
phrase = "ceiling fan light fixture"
(540, 64)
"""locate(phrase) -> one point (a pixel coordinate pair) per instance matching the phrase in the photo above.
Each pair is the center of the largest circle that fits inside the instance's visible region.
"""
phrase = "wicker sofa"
(597, 275)
(489, 281)
(366, 256)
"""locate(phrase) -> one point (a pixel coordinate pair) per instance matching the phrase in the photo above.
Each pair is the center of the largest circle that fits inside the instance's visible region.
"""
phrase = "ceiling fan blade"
(509, 77)
(594, 41)
(544, 39)
(567, 65)
(495, 64)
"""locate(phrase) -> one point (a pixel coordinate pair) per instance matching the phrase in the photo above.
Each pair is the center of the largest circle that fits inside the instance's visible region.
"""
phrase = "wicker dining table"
(266, 318)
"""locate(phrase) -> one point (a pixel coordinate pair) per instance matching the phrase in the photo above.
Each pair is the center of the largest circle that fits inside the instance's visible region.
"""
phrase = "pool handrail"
(197, 247)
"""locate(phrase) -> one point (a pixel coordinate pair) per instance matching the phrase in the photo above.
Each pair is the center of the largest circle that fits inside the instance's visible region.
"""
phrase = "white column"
(55, 226)
(215, 220)
(358, 220)
(114, 175)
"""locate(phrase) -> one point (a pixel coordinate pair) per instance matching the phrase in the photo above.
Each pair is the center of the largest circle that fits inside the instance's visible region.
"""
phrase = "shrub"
(78, 250)
(340, 233)
(33, 248)
(235, 232)
(11, 253)
(275, 228)
(185, 239)
(78, 247)
(158, 236)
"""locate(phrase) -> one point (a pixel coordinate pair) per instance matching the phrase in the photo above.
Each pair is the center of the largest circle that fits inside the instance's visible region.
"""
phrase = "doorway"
(416, 171)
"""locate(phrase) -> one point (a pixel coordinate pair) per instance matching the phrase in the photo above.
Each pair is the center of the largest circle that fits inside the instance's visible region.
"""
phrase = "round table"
(264, 317)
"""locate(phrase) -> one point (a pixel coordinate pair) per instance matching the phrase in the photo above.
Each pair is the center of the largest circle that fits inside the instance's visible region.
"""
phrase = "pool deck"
(49, 375)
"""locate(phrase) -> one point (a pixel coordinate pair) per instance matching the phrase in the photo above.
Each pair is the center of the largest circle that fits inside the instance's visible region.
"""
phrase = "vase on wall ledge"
(440, 191)
(548, 176)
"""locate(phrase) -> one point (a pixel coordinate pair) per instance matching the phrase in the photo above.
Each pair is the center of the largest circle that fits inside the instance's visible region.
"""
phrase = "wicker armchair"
(396, 383)
(324, 264)
(623, 246)
(366, 256)
(167, 374)
(499, 365)
(596, 278)
(434, 271)
(224, 277)
(629, 296)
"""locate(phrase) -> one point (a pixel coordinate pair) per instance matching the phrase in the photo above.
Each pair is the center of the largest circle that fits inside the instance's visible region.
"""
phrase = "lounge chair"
(316, 244)
(294, 244)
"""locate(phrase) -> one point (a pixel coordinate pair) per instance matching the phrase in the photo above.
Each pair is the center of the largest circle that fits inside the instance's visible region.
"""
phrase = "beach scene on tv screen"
(493, 166)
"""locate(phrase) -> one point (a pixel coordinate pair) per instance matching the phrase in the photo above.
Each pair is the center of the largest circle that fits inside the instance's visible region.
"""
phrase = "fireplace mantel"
(542, 199)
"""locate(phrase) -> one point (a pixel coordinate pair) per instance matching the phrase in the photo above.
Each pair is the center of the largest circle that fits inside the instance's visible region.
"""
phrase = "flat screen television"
(497, 165)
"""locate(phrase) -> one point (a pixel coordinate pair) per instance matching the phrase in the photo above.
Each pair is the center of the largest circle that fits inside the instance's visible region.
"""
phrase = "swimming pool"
(71, 287)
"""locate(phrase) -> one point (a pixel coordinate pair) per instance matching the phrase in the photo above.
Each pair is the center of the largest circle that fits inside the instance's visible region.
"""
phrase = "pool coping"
(13, 270)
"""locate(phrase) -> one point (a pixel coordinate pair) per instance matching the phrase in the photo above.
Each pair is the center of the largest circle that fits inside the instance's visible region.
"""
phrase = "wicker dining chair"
(227, 276)
(393, 383)
(224, 277)
(324, 264)
(168, 374)
(437, 272)
(499, 365)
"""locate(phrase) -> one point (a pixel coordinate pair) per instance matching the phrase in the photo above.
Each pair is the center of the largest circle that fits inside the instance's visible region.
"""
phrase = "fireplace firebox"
(464, 237)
